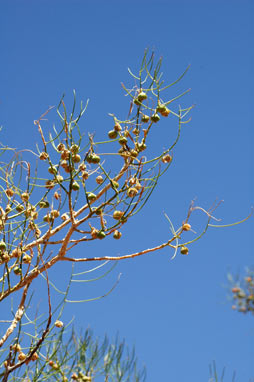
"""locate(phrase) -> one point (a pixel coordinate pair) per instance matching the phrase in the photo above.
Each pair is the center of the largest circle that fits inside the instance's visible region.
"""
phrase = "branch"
(17, 316)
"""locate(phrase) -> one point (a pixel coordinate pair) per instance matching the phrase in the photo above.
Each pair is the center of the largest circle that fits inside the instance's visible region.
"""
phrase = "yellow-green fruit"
(52, 170)
(17, 271)
(118, 214)
(141, 146)
(123, 140)
(155, 117)
(20, 208)
(142, 96)
(25, 196)
(165, 113)
(134, 153)
(101, 235)
(112, 134)
(59, 178)
(47, 218)
(90, 196)
(145, 118)
(95, 159)
(74, 149)
(43, 204)
(8, 209)
(27, 259)
(136, 101)
(5, 257)
(184, 250)
(115, 184)
(117, 235)
(2, 245)
(161, 108)
(131, 192)
(75, 186)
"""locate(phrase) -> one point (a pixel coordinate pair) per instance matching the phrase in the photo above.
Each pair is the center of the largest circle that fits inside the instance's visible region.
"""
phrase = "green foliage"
(72, 191)
(81, 358)
(242, 292)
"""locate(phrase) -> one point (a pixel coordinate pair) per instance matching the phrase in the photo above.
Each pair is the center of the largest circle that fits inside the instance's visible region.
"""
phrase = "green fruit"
(27, 259)
(145, 118)
(90, 196)
(136, 101)
(52, 170)
(59, 178)
(74, 149)
(165, 113)
(95, 159)
(155, 117)
(184, 250)
(101, 235)
(89, 158)
(17, 271)
(43, 204)
(25, 196)
(47, 218)
(134, 153)
(5, 257)
(132, 192)
(20, 208)
(142, 96)
(118, 214)
(115, 184)
(75, 186)
(112, 134)
(161, 108)
(123, 140)
(2, 245)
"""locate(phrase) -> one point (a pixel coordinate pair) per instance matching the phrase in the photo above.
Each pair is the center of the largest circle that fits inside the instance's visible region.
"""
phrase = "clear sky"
(176, 313)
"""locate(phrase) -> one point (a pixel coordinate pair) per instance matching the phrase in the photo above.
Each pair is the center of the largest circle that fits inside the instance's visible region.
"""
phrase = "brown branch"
(10, 369)
(148, 250)
(16, 318)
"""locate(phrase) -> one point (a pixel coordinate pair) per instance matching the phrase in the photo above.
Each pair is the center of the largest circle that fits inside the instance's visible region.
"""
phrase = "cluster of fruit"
(244, 297)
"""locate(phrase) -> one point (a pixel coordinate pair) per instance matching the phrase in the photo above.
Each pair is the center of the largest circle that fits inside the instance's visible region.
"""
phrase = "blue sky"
(176, 312)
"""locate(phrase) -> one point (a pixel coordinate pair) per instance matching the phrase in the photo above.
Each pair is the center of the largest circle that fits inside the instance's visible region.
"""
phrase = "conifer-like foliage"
(75, 190)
